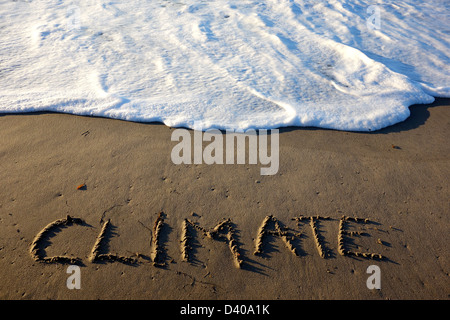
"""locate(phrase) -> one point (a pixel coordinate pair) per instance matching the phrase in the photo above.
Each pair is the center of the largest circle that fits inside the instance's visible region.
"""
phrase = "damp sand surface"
(104, 194)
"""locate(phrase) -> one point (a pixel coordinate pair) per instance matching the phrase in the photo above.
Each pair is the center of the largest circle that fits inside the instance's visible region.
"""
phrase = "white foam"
(226, 64)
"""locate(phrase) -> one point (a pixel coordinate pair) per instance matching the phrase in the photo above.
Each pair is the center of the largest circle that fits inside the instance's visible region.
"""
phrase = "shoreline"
(418, 116)
(396, 178)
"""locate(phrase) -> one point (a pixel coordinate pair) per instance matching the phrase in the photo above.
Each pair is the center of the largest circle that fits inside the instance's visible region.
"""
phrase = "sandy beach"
(147, 225)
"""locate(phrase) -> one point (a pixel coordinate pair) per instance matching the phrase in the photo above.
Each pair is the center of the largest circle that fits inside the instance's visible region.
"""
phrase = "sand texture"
(104, 195)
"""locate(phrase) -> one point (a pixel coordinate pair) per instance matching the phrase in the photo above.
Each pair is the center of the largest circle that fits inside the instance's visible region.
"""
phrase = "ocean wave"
(345, 65)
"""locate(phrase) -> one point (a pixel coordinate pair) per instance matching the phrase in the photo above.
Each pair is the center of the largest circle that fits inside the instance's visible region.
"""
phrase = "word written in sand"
(224, 231)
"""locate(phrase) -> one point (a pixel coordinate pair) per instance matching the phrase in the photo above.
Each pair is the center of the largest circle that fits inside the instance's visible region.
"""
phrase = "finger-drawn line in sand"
(100, 243)
(185, 241)
(341, 239)
(277, 230)
(37, 250)
(313, 220)
(157, 250)
(217, 233)
(107, 210)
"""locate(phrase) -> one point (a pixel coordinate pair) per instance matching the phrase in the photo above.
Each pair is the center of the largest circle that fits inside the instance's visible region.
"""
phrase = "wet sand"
(151, 229)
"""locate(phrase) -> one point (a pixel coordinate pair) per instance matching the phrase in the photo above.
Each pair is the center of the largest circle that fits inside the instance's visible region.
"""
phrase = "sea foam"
(347, 65)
